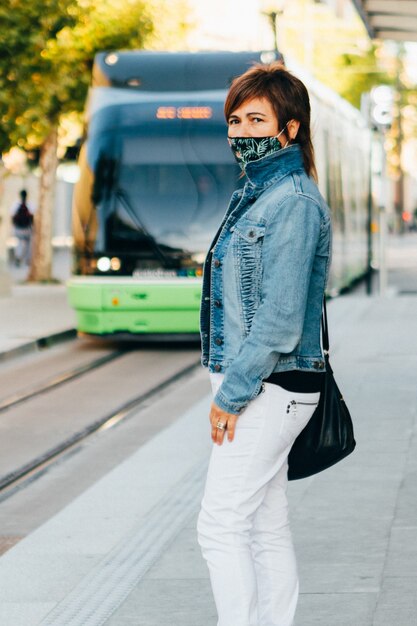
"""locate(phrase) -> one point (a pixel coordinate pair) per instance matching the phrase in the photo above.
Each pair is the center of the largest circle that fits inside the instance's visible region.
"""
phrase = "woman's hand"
(228, 419)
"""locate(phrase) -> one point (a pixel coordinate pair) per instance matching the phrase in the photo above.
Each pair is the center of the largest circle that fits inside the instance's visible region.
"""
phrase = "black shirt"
(296, 380)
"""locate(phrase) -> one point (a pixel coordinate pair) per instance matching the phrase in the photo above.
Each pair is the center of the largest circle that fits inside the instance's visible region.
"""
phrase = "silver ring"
(221, 426)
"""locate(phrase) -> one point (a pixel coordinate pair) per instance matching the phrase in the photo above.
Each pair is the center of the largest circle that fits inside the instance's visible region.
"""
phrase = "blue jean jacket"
(264, 280)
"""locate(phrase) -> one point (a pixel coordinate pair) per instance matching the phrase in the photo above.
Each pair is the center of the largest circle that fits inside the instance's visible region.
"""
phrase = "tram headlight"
(198, 258)
(115, 264)
(111, 59)
(104, 264)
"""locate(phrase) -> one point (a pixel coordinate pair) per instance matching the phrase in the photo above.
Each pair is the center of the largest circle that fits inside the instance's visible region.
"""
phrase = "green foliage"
(333, 46)
(172, 22)
(47, 49)
(26, 103)
(357, 73)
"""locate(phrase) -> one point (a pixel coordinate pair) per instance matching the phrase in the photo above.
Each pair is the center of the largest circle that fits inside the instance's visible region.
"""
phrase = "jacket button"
(217, 303)
(217, 367)
(218, 341)
(251, 233)
(217, 263)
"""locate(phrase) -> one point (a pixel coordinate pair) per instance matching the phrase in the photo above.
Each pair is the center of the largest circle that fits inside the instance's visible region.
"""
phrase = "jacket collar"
(267, 170)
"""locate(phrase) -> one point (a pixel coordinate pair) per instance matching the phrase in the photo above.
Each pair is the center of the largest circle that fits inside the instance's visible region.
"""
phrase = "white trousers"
(24, 241)
(243, 527)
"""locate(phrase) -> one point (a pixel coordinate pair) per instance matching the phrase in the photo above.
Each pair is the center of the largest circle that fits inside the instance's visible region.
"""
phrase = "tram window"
(175, 188)
(180, 205)
(159, 150)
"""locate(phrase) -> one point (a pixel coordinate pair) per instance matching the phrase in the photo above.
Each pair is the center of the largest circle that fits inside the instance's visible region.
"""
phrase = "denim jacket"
(264, 280)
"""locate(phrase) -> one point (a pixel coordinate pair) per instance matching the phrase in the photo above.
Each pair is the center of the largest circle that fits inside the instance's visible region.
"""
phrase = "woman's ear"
(293, 126)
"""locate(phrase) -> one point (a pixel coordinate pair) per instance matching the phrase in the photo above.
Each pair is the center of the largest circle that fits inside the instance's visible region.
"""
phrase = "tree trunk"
(5, 280)
(41, 263)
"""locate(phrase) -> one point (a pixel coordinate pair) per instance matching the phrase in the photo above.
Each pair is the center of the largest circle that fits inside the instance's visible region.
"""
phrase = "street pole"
(399, 186)
(272, 16)
(383, 277)
(381, 101)
(273, 13)
(369, 223)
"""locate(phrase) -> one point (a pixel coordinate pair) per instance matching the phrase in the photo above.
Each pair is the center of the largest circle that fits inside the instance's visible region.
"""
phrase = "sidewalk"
(125, 552)
(402, 263)
(31, 313)
(354, 526)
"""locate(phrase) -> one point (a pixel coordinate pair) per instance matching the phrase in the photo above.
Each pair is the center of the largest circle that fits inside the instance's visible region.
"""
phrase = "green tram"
(156, 175)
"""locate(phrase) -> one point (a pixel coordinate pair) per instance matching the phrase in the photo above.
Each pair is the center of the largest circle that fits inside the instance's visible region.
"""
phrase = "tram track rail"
(30, 471)
(58, 380)
(39, 344)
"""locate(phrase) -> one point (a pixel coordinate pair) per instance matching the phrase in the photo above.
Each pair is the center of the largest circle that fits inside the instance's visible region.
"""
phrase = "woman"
(263, 291)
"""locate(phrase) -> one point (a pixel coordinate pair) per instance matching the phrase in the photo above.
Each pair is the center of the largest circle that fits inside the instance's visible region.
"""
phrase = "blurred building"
(228, 25)
(237, 25)
(312, 34)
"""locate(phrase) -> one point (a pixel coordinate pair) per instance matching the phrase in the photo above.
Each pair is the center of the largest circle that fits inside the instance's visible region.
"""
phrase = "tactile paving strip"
(102, 591)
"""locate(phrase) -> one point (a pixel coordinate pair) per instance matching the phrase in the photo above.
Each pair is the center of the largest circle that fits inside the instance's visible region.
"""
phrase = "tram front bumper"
(113, 305)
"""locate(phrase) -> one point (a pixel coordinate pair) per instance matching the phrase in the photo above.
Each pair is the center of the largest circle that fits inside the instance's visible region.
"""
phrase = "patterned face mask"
(247, 149)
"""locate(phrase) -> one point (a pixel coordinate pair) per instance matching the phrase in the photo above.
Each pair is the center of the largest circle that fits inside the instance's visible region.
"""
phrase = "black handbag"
(328, 437)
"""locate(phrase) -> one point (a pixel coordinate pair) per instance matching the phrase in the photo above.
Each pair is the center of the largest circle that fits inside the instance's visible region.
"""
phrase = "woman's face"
(254, 118)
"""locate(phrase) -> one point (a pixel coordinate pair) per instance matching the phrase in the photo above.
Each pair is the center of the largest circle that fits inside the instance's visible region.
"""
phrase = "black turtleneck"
(297, 381)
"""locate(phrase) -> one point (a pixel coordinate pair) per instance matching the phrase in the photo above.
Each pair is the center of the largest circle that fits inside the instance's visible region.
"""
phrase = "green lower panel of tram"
(106, 306)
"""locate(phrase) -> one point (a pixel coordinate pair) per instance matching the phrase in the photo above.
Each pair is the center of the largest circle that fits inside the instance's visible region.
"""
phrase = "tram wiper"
(122, 195)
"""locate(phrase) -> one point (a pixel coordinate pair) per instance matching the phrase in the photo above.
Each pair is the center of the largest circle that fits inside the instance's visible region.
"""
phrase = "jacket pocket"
(250, 232)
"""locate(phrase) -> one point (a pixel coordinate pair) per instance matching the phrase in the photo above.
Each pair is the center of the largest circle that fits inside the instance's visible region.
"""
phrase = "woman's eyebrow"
(233, 115)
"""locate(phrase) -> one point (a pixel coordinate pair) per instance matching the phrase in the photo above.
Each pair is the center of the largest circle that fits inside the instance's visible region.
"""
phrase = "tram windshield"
(163, 196)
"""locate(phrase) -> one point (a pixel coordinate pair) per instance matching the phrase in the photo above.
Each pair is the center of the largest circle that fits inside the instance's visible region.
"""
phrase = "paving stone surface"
(354, 526)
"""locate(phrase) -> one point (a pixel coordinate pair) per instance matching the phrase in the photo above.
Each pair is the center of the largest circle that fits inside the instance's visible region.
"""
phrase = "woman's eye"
(231, 122)
(257, 119)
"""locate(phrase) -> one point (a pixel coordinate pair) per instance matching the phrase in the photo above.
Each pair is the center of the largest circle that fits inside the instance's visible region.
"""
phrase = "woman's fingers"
(221, 433)
(217, 434)
(214, 433)
(227, 419)
(231, 425)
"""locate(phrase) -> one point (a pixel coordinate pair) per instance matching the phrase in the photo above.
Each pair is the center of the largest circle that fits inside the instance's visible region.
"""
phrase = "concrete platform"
(30, 313)
(125, 552)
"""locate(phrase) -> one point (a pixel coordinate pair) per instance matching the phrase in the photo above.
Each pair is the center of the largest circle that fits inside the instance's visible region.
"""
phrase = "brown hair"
(288, 97)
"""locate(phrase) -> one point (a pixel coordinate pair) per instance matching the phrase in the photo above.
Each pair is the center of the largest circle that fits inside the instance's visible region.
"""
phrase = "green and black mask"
(248, 149)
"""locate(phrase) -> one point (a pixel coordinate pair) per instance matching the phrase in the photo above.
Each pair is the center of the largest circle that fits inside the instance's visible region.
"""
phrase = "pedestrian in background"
(22, 220)
(263, 290)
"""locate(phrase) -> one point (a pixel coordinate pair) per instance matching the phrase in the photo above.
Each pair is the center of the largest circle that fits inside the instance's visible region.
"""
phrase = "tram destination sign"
(184, 113)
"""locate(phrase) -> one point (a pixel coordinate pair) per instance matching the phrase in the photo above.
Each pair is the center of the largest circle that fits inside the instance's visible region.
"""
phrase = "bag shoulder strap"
(325, 328)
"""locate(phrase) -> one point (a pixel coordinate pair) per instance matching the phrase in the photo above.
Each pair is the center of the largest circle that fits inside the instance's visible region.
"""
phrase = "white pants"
(243, 527)
(24, 241)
